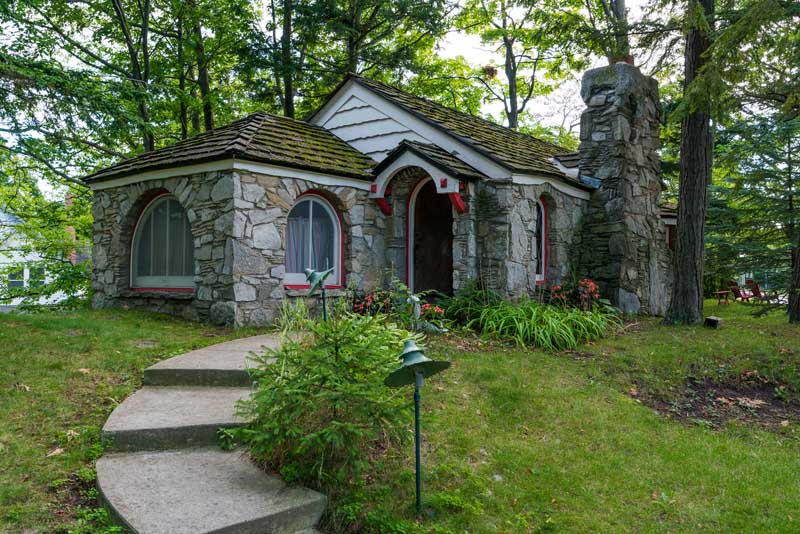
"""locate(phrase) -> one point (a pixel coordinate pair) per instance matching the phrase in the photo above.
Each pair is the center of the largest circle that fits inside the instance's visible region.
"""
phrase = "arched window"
(540, 241)
(163, 247)
(313, 240)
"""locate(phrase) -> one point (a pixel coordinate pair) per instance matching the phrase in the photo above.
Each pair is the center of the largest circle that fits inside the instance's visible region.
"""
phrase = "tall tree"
(537, 41)
(686, 306)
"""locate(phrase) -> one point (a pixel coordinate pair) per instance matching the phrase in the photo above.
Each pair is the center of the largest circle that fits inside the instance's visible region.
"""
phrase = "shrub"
(533, 324)
(321, 406)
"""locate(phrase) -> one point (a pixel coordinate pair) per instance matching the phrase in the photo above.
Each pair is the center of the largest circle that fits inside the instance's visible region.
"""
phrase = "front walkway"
(166, 474)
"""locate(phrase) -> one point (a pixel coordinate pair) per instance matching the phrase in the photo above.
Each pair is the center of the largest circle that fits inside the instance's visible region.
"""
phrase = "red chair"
(739, 293)
(759, 295)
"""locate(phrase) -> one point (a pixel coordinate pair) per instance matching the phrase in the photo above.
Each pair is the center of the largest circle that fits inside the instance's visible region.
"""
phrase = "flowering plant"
(588, 293)
(583, 294)
(431, 312)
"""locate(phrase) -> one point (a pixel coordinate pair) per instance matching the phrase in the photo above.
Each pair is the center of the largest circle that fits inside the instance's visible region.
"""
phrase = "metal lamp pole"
(413, 370)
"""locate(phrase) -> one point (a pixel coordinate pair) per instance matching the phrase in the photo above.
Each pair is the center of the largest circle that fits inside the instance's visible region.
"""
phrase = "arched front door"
(430, 248)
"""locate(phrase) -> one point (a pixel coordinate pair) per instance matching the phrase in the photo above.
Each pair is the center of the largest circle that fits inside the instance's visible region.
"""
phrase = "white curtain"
(297, 244)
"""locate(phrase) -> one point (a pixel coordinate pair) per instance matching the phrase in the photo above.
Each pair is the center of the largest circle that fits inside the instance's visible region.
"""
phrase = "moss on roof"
(435, 155)
(260, 137)
(514, 150)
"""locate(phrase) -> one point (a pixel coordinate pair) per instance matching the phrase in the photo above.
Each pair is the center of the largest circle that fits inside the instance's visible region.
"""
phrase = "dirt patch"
(715, 404)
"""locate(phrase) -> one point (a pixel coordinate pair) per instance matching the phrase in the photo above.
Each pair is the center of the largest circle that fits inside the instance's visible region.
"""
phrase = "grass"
(514, 440)
(61, 374)
(523, 441)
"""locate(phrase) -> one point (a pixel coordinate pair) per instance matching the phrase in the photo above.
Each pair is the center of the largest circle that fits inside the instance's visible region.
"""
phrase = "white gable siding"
(374, 125)
(367, 129)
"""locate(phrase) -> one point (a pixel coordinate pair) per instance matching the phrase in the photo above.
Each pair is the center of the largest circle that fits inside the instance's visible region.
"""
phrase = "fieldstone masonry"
(208, 201)
(624, 242)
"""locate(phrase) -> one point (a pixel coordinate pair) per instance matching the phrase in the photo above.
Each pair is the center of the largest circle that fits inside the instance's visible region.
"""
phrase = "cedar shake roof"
(516, 151)
(570, 160)
(260, 137)
(434, 155)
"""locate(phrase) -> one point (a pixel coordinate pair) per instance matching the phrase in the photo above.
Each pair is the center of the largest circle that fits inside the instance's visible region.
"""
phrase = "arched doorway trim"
(411, 207)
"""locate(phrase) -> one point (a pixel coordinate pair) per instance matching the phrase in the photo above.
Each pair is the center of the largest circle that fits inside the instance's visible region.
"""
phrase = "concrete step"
(158, 418)
(198, 491)
(224, 364)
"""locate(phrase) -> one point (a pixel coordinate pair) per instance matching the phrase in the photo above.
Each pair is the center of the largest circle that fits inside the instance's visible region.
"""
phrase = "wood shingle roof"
(260, 137)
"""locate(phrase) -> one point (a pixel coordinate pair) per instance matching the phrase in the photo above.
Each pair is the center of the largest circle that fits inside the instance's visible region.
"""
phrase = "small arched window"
(313, 240)
(540, 240)
(163, 247)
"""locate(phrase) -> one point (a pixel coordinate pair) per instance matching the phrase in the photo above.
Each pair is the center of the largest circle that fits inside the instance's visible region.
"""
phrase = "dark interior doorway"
(433, 241)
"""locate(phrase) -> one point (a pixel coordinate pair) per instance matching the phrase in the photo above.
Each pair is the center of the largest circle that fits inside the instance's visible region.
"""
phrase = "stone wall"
(207, 199)
(261, 207)
(505, 222)
(624, 245)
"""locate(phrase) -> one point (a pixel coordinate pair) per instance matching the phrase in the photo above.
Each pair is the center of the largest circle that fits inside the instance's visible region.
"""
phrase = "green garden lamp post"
(317, 279)
(414, 368)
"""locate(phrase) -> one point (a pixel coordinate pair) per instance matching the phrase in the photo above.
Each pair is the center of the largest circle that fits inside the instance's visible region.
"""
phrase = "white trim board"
(525, 179)
(409, 159)
(233, 165)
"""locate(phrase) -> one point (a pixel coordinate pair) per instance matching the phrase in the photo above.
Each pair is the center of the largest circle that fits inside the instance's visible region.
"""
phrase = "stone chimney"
(624, 245)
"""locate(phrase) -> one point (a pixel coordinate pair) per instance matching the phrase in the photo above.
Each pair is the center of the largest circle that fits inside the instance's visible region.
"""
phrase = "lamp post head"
(316, 279)
(414, 361)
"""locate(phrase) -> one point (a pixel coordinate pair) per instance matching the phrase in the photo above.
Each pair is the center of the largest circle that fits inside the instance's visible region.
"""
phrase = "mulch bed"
(713, 404)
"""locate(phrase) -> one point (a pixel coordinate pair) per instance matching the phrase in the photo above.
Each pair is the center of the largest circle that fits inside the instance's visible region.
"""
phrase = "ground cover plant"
(61, 374)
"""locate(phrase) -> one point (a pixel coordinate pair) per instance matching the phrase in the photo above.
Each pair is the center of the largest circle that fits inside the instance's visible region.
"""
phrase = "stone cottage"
(221, 226)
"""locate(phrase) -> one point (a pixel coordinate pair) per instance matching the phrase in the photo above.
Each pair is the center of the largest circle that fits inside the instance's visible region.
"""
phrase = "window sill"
(181, 293)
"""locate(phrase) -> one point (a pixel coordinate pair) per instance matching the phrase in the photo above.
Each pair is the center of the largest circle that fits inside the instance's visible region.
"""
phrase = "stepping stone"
(224, 364)
(158, 418)
(199, 491)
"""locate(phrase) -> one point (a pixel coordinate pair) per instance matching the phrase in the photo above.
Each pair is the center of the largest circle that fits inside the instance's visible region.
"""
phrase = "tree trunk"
(686, 306)
(794, 287)
(139, 76)
(203, 78)
(511, 76)
(193, 113)
(183, 110)
(287, 63)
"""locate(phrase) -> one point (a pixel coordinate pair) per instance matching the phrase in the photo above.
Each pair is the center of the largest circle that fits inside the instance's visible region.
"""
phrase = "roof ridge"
(505, 129)
(261, 116)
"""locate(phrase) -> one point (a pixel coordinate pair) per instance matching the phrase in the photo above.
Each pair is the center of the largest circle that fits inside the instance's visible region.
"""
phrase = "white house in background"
(10, 243)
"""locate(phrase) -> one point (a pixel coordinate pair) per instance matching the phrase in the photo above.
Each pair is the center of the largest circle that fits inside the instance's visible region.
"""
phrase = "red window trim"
(324, 195)
(160, 194)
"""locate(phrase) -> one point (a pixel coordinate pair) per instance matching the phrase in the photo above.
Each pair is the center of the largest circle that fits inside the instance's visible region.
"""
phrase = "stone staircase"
(164, 473)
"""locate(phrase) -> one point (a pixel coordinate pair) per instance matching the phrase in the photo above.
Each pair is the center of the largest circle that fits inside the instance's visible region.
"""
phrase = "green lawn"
(519, 441)
(61, 374)
(515, 441)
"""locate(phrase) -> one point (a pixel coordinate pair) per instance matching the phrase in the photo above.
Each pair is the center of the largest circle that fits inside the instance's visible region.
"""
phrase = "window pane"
(540, 237)
(175, 239)
(164, 248)
(16, 278)
(160, 244)
(188, 249)
(144, 247)
(322, 231)
(36, 278)
(297, 235)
